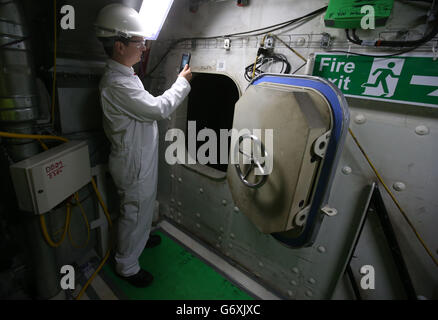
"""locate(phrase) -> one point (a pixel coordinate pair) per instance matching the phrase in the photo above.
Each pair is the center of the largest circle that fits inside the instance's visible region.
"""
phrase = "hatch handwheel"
(254, 160)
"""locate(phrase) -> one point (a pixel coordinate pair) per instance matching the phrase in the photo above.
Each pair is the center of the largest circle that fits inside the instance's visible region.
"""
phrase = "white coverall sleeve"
(141, 105)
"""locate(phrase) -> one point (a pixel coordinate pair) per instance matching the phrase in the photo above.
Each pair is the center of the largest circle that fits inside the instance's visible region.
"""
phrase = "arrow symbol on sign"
(426, 81)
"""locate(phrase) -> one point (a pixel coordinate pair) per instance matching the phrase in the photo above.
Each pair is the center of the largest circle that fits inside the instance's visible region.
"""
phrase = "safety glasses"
(139, 44)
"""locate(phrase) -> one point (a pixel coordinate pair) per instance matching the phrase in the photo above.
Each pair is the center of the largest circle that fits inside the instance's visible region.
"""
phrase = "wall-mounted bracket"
(329, 211)
(227, 44)
(320, 145)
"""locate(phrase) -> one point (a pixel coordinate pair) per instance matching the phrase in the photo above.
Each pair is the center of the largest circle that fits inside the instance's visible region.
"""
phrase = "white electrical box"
(45, 180)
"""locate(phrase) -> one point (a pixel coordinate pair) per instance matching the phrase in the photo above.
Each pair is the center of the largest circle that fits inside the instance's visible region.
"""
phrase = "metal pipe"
(18, 113)
(18, 91)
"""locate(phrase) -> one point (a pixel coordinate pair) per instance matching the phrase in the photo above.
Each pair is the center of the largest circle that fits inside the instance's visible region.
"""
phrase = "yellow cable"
(109, 248)
(46, 234)
(86, 223)
(43, 222)
(43, 225)
(394, 199)
(254, 67)
(55, 26)
(56, 232)
(299, 55)
(30, 136)
(101, 202)
(262, 44)
(94, 275)
(45, 147)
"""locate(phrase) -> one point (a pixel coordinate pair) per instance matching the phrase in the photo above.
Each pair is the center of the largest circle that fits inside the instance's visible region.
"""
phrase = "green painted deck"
(178, 275)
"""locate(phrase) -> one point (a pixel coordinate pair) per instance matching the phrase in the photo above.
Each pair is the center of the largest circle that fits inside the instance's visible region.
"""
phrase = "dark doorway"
(211, 104)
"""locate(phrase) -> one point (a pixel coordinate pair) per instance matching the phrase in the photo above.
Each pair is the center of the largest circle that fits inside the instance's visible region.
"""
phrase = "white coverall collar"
(112, 64)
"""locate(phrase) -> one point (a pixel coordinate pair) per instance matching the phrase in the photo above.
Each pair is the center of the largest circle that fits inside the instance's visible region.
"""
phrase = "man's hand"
(186, 73)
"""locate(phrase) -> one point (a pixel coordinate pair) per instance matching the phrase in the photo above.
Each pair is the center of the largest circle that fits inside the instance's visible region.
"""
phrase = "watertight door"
(287, 133)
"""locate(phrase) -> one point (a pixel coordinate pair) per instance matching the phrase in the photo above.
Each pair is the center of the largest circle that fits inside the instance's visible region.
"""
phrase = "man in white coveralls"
(130, 117)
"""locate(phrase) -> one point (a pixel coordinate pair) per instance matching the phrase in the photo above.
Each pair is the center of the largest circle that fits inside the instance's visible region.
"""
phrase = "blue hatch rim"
(341, 118)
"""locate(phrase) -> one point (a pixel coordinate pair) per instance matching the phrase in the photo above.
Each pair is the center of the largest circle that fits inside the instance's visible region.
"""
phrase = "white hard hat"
(116, 20)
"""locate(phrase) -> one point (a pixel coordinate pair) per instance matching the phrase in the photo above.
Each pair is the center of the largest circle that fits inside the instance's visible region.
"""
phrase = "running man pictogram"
(383, 78)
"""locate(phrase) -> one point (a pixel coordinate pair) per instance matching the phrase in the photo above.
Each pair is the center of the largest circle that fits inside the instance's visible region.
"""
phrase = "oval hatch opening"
(211, 105)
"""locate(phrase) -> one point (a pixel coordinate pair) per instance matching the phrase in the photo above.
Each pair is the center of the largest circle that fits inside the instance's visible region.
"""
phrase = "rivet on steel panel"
(422, 130)
(360, 119)
(301, 41)
(346, 170)
(399, 186)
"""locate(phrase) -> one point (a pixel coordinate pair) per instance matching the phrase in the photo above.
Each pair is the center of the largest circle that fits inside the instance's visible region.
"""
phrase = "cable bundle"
(265, 57)
(243, 34)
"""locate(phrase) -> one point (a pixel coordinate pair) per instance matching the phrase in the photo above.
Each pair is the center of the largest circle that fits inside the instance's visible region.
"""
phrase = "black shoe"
(153, 241)
(141, 279)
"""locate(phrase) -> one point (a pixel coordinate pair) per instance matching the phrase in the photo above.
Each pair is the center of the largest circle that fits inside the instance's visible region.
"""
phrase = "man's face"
(133, 51)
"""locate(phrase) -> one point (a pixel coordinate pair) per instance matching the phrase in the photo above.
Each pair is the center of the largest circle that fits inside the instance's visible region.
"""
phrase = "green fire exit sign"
(412, 80)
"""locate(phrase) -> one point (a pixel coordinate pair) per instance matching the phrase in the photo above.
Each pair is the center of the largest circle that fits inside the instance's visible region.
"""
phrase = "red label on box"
(54, 169)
